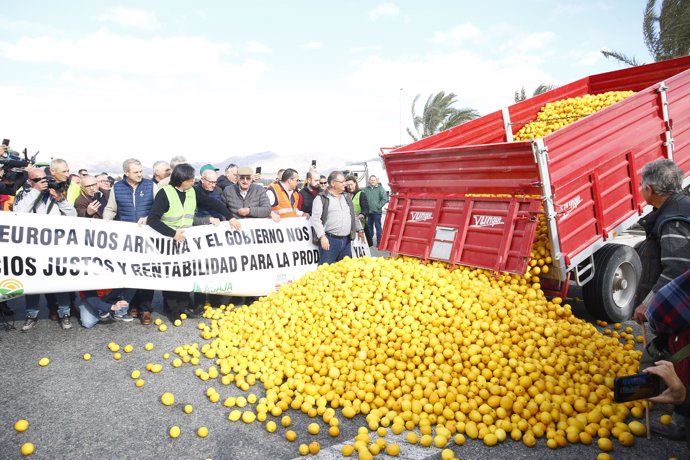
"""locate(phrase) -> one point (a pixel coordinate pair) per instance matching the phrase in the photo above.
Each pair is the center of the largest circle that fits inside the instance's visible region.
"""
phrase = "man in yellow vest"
(173, 210)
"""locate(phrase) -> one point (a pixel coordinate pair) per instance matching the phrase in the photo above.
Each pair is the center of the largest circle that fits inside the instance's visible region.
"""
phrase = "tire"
(610, 295)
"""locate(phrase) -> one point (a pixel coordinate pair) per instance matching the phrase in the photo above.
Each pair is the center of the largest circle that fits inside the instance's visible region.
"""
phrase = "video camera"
(12, 160)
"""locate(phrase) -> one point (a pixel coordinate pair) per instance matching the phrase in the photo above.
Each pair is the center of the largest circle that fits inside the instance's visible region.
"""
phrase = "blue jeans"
(63, 301)
(374, 221)
(338, 249)
(90, 314)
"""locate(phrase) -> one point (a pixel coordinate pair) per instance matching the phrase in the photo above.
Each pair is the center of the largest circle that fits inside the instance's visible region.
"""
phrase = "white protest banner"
(42, 254)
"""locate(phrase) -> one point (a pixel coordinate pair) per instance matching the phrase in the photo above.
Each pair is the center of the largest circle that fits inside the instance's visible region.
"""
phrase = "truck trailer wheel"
(610, 295)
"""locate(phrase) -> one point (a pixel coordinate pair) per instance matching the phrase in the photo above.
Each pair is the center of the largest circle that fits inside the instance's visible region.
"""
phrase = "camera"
(637, 386)
(55, 185)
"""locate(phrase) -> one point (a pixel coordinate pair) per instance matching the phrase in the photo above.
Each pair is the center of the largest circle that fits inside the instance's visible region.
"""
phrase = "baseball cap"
(245, 171)
(207, 167)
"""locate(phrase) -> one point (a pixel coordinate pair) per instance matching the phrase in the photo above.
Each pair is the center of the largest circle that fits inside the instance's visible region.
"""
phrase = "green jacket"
(377, 198)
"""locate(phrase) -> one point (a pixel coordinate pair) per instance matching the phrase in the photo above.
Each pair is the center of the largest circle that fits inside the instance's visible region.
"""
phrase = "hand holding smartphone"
(634, 387)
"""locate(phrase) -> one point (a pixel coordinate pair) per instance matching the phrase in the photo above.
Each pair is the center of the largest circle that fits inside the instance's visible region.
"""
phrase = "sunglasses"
(323, 183)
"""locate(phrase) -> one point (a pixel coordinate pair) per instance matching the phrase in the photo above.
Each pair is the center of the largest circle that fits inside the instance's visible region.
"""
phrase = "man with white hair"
(161, 170)
(174, 161)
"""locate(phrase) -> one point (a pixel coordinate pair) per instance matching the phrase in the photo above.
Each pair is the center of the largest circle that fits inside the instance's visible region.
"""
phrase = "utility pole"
(400, 119)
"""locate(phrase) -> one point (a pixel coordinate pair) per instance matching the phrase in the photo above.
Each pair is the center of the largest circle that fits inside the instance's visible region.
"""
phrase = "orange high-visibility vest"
(284, 208)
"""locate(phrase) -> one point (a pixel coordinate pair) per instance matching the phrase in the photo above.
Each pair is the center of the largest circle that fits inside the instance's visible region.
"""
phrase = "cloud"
(257, 47)
(461, 34)
(364, 49)
(131, 18)
(104, 51)
(312, 45)
(590, 58)
(461, 72)
(534, 41)
(384, 10)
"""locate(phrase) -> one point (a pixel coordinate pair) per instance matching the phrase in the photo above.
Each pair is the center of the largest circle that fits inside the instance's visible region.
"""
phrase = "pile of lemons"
(461, 352)
(555, 115)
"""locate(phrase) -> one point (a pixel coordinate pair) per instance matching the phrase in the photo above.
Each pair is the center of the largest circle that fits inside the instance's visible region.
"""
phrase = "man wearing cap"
(248, 199)
(208, 186)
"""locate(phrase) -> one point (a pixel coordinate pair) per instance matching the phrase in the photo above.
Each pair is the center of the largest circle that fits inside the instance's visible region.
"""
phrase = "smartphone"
(313, 163)
(634, 387)
(6, 142)
(97, 196)
(258, 170)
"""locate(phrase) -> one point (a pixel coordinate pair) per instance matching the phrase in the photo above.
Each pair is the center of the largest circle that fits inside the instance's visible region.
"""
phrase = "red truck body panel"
(586, 173)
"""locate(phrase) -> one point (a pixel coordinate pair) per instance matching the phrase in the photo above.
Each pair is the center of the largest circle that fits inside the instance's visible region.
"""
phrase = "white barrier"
(42, 254)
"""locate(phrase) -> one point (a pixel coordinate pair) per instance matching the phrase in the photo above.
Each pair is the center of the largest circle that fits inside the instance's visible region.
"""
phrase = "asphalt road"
(91, 409)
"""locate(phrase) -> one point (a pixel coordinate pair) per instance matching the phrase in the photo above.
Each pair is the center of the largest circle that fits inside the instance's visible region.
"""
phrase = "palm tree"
(666, 35)
(521, 96)
(438, 115)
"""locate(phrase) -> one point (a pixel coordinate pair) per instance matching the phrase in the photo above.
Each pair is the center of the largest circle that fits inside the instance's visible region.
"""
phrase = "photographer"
(91, 201)
(12, 172)
(44, 197)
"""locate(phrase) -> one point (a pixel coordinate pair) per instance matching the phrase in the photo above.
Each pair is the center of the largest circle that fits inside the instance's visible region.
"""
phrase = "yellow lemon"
(149, 345)
(314, 428)
(43, 362)
(177, 323)
(188, 409)
(162, 328)
(202, 432)
(27, 449)
(314, 447)
(174, 431)
(290, 435)
(21, 425)
(168, 399)
(271, 426)
(139, 383)
(87, 356)
(135, 374)
(128, 348)
(303, 449)
(286, 421)
(393, 449)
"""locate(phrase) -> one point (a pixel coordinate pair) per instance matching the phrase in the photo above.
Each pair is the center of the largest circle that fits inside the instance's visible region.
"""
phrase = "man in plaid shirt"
(669, 310)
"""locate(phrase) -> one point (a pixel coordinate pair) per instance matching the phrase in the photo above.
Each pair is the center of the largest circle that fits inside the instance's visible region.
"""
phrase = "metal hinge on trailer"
(662, 90)
(442, 246)
(507, 125)
(584, 271)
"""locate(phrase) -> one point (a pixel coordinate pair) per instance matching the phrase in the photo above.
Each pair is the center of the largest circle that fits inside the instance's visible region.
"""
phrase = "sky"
(334, 81)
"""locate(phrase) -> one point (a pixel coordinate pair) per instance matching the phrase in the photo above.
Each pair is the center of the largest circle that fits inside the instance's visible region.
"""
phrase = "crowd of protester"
(171, 200)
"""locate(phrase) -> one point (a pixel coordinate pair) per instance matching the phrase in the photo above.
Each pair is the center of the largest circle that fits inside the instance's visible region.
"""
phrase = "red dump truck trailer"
(584, 178)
